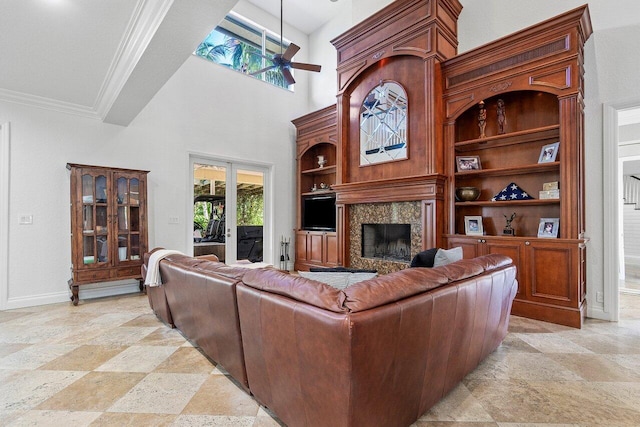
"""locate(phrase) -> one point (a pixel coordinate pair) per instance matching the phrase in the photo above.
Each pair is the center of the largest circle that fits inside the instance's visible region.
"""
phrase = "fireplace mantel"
(425, 187)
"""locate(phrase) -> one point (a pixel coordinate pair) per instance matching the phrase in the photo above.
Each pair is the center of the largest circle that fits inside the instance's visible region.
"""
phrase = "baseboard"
(94, 290)
(598, 313)
(34, 300)
(101, 290)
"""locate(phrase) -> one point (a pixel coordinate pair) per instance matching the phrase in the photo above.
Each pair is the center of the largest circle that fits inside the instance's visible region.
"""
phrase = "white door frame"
(231, 166)
(4, 214)
(611, 198)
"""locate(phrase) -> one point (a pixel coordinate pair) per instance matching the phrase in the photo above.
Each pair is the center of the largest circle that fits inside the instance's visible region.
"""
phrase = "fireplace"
(399, 222)
(391, 242)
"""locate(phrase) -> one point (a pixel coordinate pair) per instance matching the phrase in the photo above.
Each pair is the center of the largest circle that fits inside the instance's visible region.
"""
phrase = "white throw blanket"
(153, 268)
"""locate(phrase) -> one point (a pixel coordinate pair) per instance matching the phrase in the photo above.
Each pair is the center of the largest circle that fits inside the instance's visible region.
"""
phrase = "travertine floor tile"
(96, 391)
(596, 367)
(34, 356)
(459, 405)
(26, 389)
(137, 358)
(78, 365)
(122, 336)
(6, 349)
(551, 343)
(55, 418)
(186, 360)
(84, 358)
(165, 336)
(160, 394)
(220, 396)
(110, 419)
(213, 421)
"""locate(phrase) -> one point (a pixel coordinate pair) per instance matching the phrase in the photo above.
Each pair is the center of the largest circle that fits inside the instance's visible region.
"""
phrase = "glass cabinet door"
(95, 247)
(128, 218)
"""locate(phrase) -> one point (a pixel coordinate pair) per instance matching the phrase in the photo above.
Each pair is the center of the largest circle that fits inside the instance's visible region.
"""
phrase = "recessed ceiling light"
(333, 1)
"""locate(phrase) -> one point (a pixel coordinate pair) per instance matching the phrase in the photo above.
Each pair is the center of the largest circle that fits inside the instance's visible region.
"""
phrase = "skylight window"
(242, 45)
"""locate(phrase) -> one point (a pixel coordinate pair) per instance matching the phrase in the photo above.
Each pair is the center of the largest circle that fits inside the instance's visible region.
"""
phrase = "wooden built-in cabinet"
(316, 248)
(537, 74)
(316, 242)
(108, 224)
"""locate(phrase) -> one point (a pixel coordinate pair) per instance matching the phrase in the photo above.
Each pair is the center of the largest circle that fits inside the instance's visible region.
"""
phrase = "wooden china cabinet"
(108, 224)
(316, 242)
(536, 75)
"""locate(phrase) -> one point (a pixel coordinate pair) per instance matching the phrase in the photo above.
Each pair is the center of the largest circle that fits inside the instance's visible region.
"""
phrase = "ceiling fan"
(283, 62)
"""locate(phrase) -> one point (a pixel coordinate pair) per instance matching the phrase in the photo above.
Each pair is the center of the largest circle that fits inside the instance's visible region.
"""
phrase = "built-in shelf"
(511, 138)
(531, 202)
(320, 171)
(516, 170)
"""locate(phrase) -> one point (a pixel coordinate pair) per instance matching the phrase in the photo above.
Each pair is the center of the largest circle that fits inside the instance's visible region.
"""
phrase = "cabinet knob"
(527, 243)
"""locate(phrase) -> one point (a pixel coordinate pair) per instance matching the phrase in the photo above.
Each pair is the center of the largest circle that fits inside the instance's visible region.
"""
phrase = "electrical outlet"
(26, 219)
(599, 297)
(174, 220)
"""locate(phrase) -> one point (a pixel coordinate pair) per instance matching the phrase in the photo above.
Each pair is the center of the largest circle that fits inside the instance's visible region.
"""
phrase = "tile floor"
(110, 362)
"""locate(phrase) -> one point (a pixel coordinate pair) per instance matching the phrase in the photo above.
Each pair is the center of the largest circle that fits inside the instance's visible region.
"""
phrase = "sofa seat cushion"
(337, 279)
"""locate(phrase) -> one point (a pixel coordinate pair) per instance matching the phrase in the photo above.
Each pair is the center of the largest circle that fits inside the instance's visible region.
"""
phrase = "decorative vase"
(467, 194)
(321, 161)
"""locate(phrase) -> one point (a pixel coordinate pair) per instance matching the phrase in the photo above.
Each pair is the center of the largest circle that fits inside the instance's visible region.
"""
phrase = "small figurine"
(323, 186)
(314, 188)
(482, 118)
(502, 118)
(508, 231)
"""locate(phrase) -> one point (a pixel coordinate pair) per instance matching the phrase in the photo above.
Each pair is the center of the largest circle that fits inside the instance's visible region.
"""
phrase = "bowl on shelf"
(467, 194)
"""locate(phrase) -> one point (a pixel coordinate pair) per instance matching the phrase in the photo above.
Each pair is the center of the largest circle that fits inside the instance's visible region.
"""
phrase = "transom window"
(244, 46)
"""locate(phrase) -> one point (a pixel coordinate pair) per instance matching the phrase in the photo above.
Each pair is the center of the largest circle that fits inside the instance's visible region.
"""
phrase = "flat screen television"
(319, 213)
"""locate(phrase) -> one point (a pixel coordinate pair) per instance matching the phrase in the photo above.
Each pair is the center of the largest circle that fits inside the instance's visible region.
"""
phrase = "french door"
(229, 210)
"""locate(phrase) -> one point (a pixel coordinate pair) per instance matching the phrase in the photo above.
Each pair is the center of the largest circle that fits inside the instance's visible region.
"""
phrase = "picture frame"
(548, 228)
(548, 153)
(468, 163)
(473, 226)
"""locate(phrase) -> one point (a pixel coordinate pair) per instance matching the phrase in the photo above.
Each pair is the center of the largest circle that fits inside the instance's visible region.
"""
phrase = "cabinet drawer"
(131, 271)
(90, 276)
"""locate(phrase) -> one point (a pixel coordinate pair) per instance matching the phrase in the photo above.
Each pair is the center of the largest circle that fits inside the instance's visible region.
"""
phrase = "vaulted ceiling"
(106, 59)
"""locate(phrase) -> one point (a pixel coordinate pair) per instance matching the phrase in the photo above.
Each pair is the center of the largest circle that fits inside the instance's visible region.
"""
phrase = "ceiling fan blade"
(255, 73)
(288, 77)
(290, 52)
(307, 67)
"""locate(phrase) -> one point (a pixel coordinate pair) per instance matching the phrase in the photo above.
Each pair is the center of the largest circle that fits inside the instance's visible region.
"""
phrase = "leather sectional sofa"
(379, 353)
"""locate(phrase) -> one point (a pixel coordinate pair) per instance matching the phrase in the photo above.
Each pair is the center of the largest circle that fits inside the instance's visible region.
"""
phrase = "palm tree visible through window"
(241, 45)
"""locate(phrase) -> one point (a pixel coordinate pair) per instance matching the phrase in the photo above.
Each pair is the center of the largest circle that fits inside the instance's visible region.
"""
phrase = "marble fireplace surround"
(417, 201)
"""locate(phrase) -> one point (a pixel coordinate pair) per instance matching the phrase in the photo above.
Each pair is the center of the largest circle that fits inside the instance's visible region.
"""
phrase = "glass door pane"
(209, 209)
(249, 210)
(128, 217)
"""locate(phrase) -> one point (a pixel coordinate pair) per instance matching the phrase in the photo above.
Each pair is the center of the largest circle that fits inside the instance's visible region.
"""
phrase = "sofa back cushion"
(299, 288)
(412, 281)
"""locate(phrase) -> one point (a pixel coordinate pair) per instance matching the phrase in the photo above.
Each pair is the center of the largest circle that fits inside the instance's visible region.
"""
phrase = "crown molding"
(147, 17)
(145, 20)
(48, 103)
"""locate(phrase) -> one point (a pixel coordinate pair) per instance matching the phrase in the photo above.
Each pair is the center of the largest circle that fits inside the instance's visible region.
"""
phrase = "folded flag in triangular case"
(511, 192)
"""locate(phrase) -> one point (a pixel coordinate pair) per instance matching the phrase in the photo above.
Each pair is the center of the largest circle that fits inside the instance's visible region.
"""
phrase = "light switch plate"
(26, 219)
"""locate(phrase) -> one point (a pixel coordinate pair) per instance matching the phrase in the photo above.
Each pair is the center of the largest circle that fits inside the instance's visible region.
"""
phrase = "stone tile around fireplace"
(383, 213)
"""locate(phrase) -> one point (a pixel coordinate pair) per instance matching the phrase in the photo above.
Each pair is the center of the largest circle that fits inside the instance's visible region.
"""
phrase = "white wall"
(324, 86)
(203, 108)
